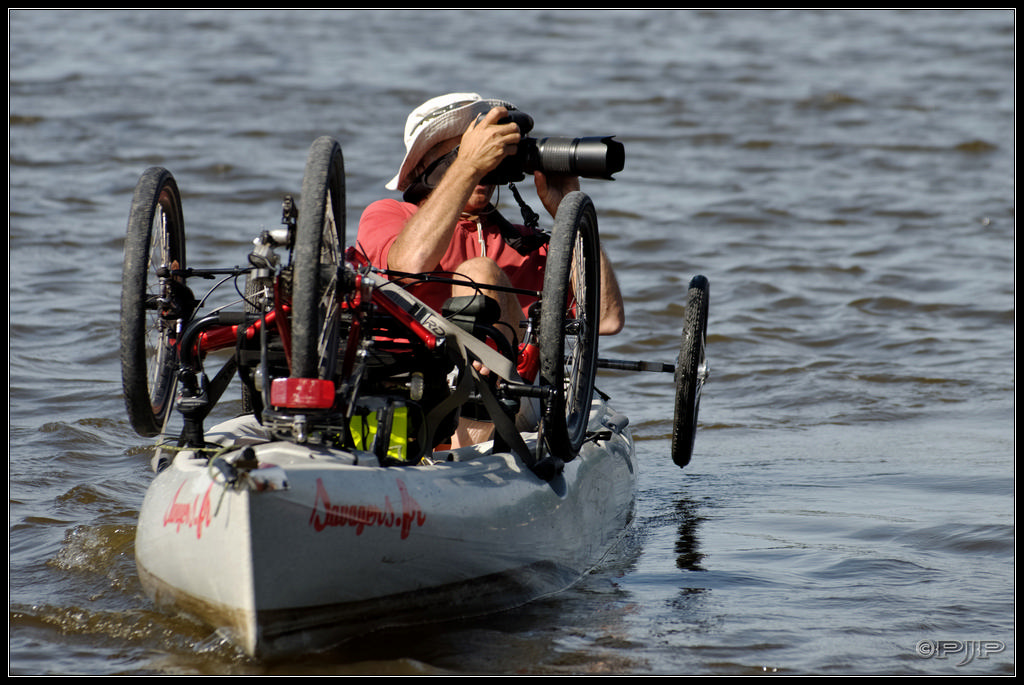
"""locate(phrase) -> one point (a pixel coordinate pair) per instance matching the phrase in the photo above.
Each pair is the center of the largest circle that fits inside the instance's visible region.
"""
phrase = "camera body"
(590, 157)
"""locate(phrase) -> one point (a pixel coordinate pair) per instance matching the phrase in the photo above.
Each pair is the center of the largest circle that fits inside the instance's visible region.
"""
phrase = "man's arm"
(613, 311)
(552, 190)
(426, 236)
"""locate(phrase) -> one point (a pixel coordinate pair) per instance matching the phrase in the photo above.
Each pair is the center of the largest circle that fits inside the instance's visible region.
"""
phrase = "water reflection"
(687, 547)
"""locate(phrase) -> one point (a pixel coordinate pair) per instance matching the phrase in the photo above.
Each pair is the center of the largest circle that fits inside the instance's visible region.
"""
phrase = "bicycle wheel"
(568, 325)
(319, 240)
(155, 303)
(691, 371)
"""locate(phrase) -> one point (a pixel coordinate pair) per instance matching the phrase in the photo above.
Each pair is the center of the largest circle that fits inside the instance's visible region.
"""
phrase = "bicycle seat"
(478, 315)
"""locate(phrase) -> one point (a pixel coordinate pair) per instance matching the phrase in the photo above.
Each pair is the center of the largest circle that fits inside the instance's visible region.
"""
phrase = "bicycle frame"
(296, 406)
(361, 299)
(328, 335)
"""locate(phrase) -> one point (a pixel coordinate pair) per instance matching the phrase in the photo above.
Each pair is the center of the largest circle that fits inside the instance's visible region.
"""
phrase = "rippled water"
(845, 179)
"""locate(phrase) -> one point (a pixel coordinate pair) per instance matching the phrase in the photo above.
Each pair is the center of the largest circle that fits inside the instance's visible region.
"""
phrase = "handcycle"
(330, 350)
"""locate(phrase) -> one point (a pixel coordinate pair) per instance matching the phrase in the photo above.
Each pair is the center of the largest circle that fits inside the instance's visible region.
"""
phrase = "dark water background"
(845, 179)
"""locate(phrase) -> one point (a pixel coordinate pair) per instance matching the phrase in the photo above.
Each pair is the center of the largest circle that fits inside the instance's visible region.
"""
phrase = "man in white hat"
(446, 222)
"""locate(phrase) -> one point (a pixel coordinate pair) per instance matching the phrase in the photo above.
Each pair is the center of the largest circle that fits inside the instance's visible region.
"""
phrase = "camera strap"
(530, 217)
(523, 243)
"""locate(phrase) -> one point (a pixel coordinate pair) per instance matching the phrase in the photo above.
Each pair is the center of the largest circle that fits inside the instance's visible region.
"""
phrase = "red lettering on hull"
(195, 514)
(361, 516)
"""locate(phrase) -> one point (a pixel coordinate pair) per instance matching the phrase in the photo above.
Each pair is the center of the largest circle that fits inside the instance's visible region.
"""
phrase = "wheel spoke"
(328, 305)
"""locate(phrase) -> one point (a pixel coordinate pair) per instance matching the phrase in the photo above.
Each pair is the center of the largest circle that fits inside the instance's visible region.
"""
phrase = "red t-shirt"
(384, 219)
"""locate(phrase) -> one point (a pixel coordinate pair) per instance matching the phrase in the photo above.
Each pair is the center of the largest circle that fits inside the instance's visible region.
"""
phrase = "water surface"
(845, 179)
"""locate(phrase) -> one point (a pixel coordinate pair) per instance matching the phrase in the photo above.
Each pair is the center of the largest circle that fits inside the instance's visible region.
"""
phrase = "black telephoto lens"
(591, 157)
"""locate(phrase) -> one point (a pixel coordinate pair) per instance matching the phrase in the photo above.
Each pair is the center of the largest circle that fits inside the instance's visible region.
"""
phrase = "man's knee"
(482, 270)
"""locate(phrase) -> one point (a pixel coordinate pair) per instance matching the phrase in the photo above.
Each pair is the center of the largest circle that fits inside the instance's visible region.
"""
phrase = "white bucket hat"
(436, 120)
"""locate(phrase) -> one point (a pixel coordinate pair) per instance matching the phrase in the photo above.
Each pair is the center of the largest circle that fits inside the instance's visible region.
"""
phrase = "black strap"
(456, 399)
(504, 427)
(522, 243)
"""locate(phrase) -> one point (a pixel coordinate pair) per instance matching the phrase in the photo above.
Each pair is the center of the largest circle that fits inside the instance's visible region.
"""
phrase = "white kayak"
(290, 548)
(281, 532)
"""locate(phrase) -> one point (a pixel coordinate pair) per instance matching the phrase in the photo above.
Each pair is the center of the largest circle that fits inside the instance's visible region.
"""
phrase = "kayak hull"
(296, 548)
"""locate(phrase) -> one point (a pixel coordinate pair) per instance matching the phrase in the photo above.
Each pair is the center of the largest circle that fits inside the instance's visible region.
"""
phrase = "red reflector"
(302, 393)
(529, 362)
